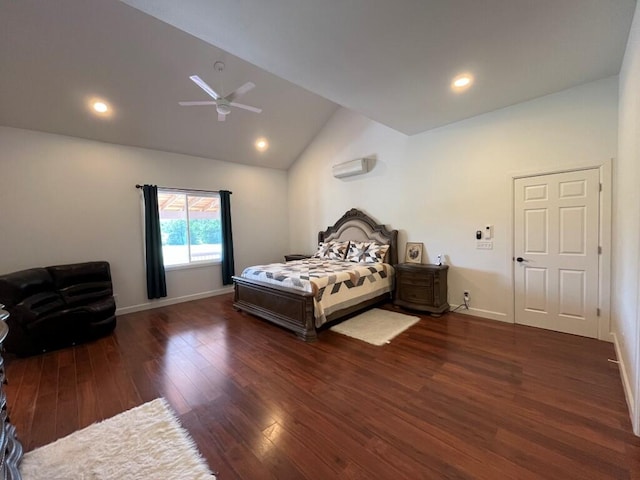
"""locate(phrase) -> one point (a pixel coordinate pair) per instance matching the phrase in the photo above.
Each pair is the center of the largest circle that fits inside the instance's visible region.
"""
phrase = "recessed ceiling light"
(100, 107)
(462, 82)
(262, 144)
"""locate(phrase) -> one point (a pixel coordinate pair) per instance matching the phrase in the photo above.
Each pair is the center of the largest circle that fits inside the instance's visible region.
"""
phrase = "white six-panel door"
(556, 251)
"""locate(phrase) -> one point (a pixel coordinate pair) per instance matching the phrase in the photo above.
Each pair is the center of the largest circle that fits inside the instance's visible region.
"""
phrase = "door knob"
(520, 260)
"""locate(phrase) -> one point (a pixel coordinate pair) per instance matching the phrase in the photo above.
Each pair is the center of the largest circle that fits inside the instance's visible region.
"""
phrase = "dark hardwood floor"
(452, 397)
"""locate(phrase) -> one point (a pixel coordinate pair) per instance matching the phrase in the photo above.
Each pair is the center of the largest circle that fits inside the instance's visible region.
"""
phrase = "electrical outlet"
(467, 295)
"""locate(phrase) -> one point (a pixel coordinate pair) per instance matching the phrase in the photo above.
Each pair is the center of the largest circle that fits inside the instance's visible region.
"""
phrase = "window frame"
(187, 193)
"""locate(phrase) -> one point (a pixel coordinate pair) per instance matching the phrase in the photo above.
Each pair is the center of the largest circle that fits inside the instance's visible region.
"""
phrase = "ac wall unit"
(350, 168)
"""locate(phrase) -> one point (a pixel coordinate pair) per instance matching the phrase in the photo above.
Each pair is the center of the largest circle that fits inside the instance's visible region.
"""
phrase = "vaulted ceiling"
(390, 61)
(56, 55)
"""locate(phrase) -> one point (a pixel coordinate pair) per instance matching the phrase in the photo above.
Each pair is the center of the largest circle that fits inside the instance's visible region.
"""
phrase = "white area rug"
(376, 326)
(146, 442)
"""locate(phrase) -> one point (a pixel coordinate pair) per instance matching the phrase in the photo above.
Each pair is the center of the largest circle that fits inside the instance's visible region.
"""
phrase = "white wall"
(440, 186)
(66, 200)
(626, 223)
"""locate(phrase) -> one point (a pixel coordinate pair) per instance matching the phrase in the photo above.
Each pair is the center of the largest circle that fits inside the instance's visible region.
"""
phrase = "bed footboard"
(286, 307)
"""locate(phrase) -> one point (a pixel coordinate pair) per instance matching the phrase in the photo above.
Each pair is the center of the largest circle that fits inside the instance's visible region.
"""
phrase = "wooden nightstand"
(421, 287)
(295, 256)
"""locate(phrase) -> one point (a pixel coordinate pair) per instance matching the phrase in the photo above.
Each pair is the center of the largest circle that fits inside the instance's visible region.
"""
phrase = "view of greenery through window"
(190, 227)
(201, 232)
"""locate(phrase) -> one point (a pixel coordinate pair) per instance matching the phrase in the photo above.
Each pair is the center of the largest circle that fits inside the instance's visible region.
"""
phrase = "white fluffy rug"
(376, 326)
(146, 442)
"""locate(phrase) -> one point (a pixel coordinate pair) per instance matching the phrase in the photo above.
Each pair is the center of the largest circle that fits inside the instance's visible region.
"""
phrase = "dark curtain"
(228, 270)
(156, 283)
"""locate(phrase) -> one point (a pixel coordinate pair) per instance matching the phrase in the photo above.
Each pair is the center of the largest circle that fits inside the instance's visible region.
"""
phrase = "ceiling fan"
(223, 104)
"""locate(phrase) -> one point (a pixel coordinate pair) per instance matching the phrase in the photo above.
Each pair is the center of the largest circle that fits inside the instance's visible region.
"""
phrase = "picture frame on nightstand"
(413, 252)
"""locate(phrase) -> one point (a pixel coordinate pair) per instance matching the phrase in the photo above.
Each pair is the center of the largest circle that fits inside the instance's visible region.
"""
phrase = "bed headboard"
(357, 226)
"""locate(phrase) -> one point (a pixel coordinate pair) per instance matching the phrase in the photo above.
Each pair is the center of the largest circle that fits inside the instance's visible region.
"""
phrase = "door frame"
(604, 234)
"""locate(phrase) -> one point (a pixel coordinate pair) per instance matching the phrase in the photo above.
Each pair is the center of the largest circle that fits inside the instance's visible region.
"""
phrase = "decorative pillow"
(377, 253)
(366, 252)
(332, 250)
(356, 251)
(338, 250)
(323, 250)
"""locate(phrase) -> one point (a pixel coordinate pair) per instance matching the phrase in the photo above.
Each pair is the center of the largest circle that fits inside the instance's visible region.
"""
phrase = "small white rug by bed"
(376, 326)
(146, 442)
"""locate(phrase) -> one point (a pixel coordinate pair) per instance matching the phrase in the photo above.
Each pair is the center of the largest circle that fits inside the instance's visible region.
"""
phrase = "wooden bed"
(293, 309)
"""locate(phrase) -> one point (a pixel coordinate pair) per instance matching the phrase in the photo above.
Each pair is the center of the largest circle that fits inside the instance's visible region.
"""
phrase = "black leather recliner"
(58, 306)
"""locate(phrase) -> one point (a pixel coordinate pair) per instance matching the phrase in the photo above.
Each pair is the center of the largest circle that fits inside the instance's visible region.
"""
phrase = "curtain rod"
(185, 189)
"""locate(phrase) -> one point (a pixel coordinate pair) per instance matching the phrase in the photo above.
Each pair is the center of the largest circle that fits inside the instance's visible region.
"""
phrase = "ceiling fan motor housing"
(223, 107)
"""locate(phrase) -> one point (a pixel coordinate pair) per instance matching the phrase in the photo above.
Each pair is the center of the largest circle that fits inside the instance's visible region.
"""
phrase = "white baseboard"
(171, 301)
(478, 312)
(626, 385)
(608, 337)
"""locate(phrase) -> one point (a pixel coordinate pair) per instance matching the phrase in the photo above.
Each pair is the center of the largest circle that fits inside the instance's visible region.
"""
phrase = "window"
(190, 227)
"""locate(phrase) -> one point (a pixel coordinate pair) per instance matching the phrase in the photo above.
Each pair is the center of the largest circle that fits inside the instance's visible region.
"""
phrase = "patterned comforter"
(335, 284)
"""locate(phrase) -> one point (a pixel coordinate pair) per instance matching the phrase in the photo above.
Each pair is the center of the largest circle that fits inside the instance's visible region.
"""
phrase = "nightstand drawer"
(415, 294)
(408, 278)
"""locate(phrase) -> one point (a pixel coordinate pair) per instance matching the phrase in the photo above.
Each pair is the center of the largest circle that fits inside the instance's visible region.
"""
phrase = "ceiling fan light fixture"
(223, 109)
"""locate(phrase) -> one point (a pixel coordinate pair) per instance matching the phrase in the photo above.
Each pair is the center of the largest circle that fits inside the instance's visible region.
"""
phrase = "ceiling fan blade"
(206, 102)
(221, 117)
(240, 91)
(246, 107)
(203, 85)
